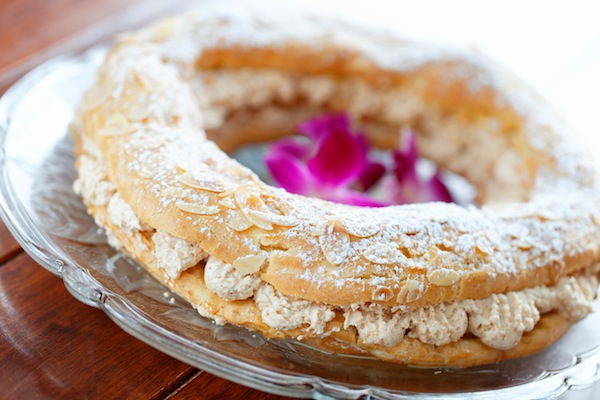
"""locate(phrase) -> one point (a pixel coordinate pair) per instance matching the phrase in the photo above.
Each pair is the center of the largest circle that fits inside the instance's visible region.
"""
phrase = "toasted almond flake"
(249, 264)
(202, 182)
(228, 202)
(435, 258)
(197, 208)
(261, 223)
(227, 193)
(237, 221)
(524, 245)
(272, 241)
(280, 204)
(412, 290)
(443, 277)
(360, 229)
(191, 165)
(247, 201)
(483, 246)
(277, 219)
(335, 245)
(383, 253)
(382, 293)
(318, 228)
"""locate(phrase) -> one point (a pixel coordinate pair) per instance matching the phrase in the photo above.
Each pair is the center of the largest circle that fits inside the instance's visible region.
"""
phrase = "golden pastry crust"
(161, 88)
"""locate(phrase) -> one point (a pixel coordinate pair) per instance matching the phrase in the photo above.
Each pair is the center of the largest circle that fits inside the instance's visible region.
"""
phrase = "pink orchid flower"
(332, 164)
(409, 186)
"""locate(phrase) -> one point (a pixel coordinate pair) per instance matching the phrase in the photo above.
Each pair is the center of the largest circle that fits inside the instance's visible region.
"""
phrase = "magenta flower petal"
(317, 128)
(409, 146)
(370, 175)
(438, 190)
(292, 148)
(334, 165)
(339, 159)
(289, 173)
(405, 159)
(409, 187)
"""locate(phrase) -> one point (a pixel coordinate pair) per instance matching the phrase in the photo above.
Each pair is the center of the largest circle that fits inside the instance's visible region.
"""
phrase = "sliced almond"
(360, 229)
(435, 257)
(238, 221)
(260, 222)
(382, 293)
(199, 209)
(335, 244)
(483, 246)
(280, 204)
(228, 202)
(247, 201)
(249, 264)
(524, 244)
(272, 241)
(318, 229)
(412, 290)
(277, 219)
(185, 165)
(202, 181)
(443, 277)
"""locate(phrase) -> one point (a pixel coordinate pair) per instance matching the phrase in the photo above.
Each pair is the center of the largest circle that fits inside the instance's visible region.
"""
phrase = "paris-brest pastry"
(425, 284)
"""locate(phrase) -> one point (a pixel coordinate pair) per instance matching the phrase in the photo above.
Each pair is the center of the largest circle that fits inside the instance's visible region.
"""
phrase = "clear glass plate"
(51, 223)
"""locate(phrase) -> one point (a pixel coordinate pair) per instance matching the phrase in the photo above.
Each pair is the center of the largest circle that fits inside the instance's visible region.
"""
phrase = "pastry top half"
(171, 98)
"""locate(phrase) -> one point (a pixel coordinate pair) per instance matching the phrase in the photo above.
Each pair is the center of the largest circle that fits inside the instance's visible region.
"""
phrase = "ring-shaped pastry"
(428, 284)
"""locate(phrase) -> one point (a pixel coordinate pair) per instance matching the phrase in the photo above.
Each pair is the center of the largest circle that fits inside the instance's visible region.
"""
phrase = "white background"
(553, 45)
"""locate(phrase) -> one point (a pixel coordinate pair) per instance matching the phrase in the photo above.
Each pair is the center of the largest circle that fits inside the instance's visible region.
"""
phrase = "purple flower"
(408, 186)
(332, 164)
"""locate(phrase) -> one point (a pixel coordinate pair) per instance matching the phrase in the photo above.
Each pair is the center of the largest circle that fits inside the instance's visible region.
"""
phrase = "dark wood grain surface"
(51, 345)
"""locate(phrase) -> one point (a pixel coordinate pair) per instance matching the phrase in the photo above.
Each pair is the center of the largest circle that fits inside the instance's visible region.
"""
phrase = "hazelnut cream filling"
(499, 320)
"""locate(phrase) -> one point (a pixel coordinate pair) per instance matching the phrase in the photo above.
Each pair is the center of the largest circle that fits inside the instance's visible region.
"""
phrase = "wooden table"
(51, 345)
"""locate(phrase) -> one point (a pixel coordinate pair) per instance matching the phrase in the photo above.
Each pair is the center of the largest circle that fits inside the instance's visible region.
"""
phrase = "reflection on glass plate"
(52, 225)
